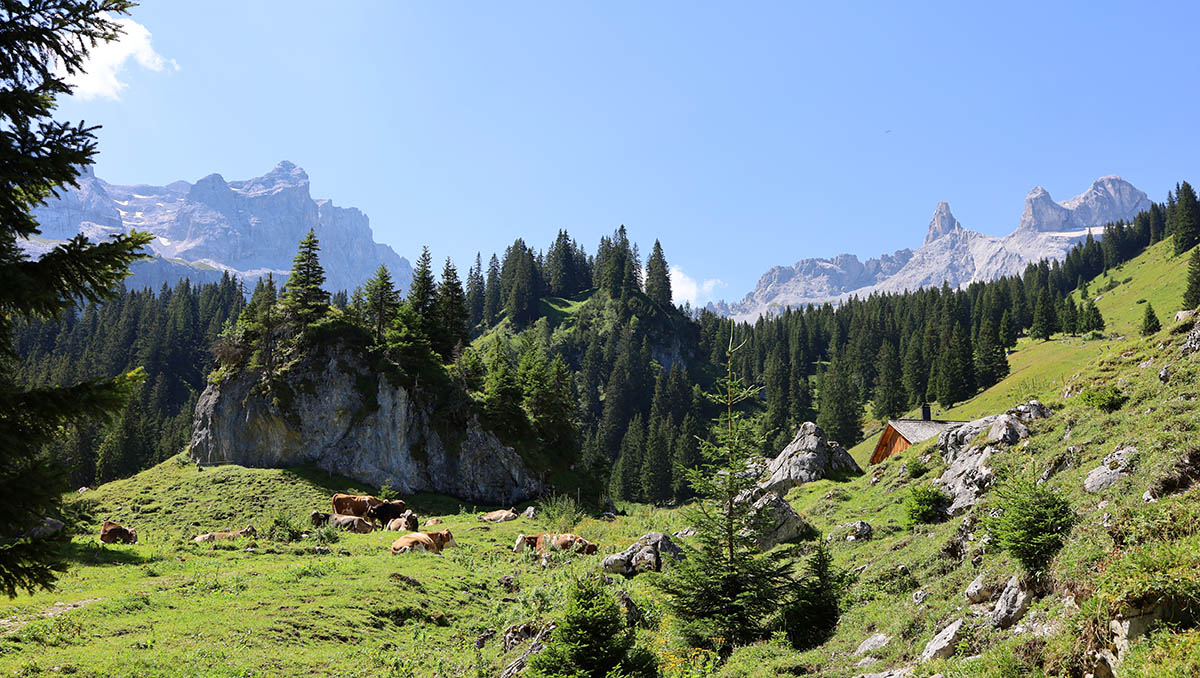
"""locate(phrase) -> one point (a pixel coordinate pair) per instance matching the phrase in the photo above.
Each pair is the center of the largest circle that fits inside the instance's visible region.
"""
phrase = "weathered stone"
(1164, 375)
(644, 555)
(1114, 467)
(685, 533)
(1181, 316)
(890, 673)
(858, 530)
(343, 417)
(1030, 411)
(807, 458)
(44, 529)
(978, 591)
(1191, 343)
(1013, 602)
(875, 642)
(785, 524)
(942, 645)
(530, 512)
(1007, 429)
(919, 596)
(967, 477)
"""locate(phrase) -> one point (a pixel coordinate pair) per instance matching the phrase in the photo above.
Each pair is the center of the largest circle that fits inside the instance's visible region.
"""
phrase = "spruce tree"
(915, 372)
(1069, 318)
(1191, 295)
(475, 293)
(422, 294)
(39, 155)
(839, 413)
(491, 293)
(1150, 323)
(1043, 318)
(303, 297)
(626, 474)
(381, 304)
(502, 395)
(1186, 219)
(451, 313)
(991, 363)
(655, 473)
(890, 399)
(658, 278)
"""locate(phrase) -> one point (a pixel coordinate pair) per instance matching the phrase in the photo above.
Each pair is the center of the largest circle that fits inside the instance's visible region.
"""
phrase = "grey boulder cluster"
(647, 554)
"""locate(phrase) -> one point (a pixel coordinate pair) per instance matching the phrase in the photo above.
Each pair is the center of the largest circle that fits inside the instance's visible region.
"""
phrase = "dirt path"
(10, 626)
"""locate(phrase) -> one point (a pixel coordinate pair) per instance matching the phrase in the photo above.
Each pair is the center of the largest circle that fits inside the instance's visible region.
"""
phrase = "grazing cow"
(352, 523)
(353, 504)
(247, 531)
(112, 533)
(498, 516)
(559, 542)
(320, 518)
(385, 512)
(429, 542)
(405, 523)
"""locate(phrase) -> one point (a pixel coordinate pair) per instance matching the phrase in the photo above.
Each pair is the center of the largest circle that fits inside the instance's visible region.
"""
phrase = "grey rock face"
(875, 642)
(378, 435)
(248, 228)
(943, 222)
(978, 591)
(1007, 430)
(858, 530)
(942, 645)
(807, 458)
(644, 555)
(1013, 602)
(967, 475)
(1114, 467)
(785, 524)
(1191, 343)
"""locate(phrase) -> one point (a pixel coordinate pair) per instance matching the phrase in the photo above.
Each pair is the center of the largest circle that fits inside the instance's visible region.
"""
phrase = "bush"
(1108, 398)
(812, 612)
(386, 493)
(925, 504)
(915, 468)
(325, 535)
(560, 512)
(281, 528)
(1032, 523)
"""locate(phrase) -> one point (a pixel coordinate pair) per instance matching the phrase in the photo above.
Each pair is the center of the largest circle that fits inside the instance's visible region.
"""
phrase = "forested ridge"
(579, 359)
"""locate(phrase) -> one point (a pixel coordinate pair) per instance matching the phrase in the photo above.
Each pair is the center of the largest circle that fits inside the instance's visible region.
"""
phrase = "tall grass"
(560, 512)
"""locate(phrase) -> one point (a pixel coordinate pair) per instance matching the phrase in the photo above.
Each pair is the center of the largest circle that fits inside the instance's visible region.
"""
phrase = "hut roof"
(916, 430)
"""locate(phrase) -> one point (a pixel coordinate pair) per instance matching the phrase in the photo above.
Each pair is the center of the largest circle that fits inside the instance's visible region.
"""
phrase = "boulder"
(1007, 429)
(919, 596)
(1164, 375)
(858, 530)
(810, 456)
(978, 591)
(1191, 343)
(875, 642)
(967, 477)
(904, 672)
(645, 554)
(44, 529)
(1030, 411)
(1013, 602)
(1184, 315)
(784, 524)
(1114, 467)
(943, 644)
(685, 533)
(530, 512)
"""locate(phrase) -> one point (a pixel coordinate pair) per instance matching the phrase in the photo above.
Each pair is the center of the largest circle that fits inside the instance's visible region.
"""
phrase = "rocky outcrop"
(780, 521)
(1114, 467)
(644, 555)
(810, 456)
(967, 475)
(1013, 602)
(876, 642)
(978, 591)
(1191, 343)
(332, 412)
(943, 644)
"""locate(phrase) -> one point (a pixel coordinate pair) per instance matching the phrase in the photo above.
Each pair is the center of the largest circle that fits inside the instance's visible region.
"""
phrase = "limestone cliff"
(331, 411)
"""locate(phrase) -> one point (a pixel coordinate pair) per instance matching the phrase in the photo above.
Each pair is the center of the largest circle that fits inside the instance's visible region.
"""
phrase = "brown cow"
(247, 531)
(112, 533)
(352, 523)
(320, 518)
(353, 504)
(385, 512)
(498, 516)
(405, 523)
(558, 542)
(429, 542)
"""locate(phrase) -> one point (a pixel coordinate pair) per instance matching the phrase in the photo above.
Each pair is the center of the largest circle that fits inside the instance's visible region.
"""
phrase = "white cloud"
(106, 61)
(697, 293)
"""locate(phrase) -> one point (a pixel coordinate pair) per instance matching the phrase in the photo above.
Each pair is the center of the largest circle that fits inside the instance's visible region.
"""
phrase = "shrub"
(1109, 398)
(325, 535)
(560, 512)
(925, 504)
(1032, 523)
(282, 528)
(915, 468)
(811, 614)
(386, 493)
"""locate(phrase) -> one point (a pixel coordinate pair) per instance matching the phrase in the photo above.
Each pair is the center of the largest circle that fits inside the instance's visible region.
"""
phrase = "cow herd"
(364, 513)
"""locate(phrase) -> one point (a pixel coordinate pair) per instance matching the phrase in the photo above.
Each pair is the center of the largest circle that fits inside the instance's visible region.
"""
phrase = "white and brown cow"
(354, 504)
(502, 516)
(556, 542)
(429, 542)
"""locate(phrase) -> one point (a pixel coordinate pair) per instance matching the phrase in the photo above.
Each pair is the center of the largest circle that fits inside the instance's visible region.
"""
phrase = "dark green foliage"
(839, 412)
(1045, 320)
(925, 504)
(1109, 398)
(41, 49)
(592, 640)
(991, 362)
(422, 292)
(304, 300)
(492, 305)
(915, 468)
(1150, 323)
(1191, 295)
(1090, 319)
(381, 304)
(658, 277)
(1185, 219)
(502, 395)
(1032, 523)
(451, 315)
(475, 294)
(890, 399)
(811, 611)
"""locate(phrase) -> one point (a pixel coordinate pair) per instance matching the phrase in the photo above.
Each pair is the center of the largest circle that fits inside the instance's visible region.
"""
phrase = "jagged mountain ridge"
(951, 253)
(248, 228)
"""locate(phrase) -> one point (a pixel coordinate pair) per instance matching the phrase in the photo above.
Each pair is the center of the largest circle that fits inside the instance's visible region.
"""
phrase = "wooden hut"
(900, 434)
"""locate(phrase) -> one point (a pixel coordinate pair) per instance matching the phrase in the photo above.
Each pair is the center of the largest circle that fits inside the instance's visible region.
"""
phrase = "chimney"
(925, 415)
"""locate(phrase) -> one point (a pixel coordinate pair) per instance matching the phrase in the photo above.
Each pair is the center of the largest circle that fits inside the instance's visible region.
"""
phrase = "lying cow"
(405, 523)
(320, 518)
(352, 523)
(247, 531)
(112, 533)
(383, 513)
(428, 542)
(498, 516)
(556, 542)
(353, 504)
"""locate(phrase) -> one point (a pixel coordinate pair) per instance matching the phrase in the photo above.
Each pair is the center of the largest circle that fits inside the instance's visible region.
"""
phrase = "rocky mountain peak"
(285, 176)
(943, 222)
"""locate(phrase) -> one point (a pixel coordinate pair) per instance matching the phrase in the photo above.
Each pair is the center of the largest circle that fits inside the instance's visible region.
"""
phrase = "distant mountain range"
(248, 228)
(951, 253)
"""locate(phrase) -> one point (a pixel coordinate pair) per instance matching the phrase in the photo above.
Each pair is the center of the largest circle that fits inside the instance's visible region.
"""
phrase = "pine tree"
(1186, 219)
(626, 478)
(658, 278)
(475, 293)
(450, 310)
(839, 413)
(42, 49)
(491, 294)
(303, 297)
(422, 293)
(1008, 330)
(1069, 317)
(915, 372)
(655, 473)
(1043, 318)
(381, 304)
(1191, 295)
(889, 398)
(991, 363)
(502, 395)
(685, 455)
(1150, 323)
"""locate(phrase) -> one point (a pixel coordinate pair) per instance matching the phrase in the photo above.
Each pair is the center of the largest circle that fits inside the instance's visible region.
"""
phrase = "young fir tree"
(422, 293)
(1090, 318)
(1191, 295)
(452, 314)
(304, 299)
(1186, 219)
(658, 278)
(491, 294)
(655, 474)
(263, 321)
(1150, 323)
(502, 396)
(838, 412)
(726, 587)
(1044, 321)
(915, 372)
(381, 304)
(1069, 318)
(42, 49)
(625, 482)
(890, 399)
(991, 363)
(475, 293)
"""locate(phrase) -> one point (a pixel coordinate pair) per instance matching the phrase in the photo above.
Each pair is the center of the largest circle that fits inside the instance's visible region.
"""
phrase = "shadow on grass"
(424, 503)
(92, 553)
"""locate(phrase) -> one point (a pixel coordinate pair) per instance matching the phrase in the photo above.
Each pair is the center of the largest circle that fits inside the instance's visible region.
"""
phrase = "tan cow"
(247, 531)
(429, 542)
(354, 504)
(558, 542)
(111, 533)
(352, 523)
(405, 523)
(498, 516)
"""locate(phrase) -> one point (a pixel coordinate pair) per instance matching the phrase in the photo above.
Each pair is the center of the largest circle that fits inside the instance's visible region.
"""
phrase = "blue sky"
(743, 135)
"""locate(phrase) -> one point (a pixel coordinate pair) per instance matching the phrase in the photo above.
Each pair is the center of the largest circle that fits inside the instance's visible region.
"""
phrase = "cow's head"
(447, 539)
(132, 536)
(249, 531)
(589, 549)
